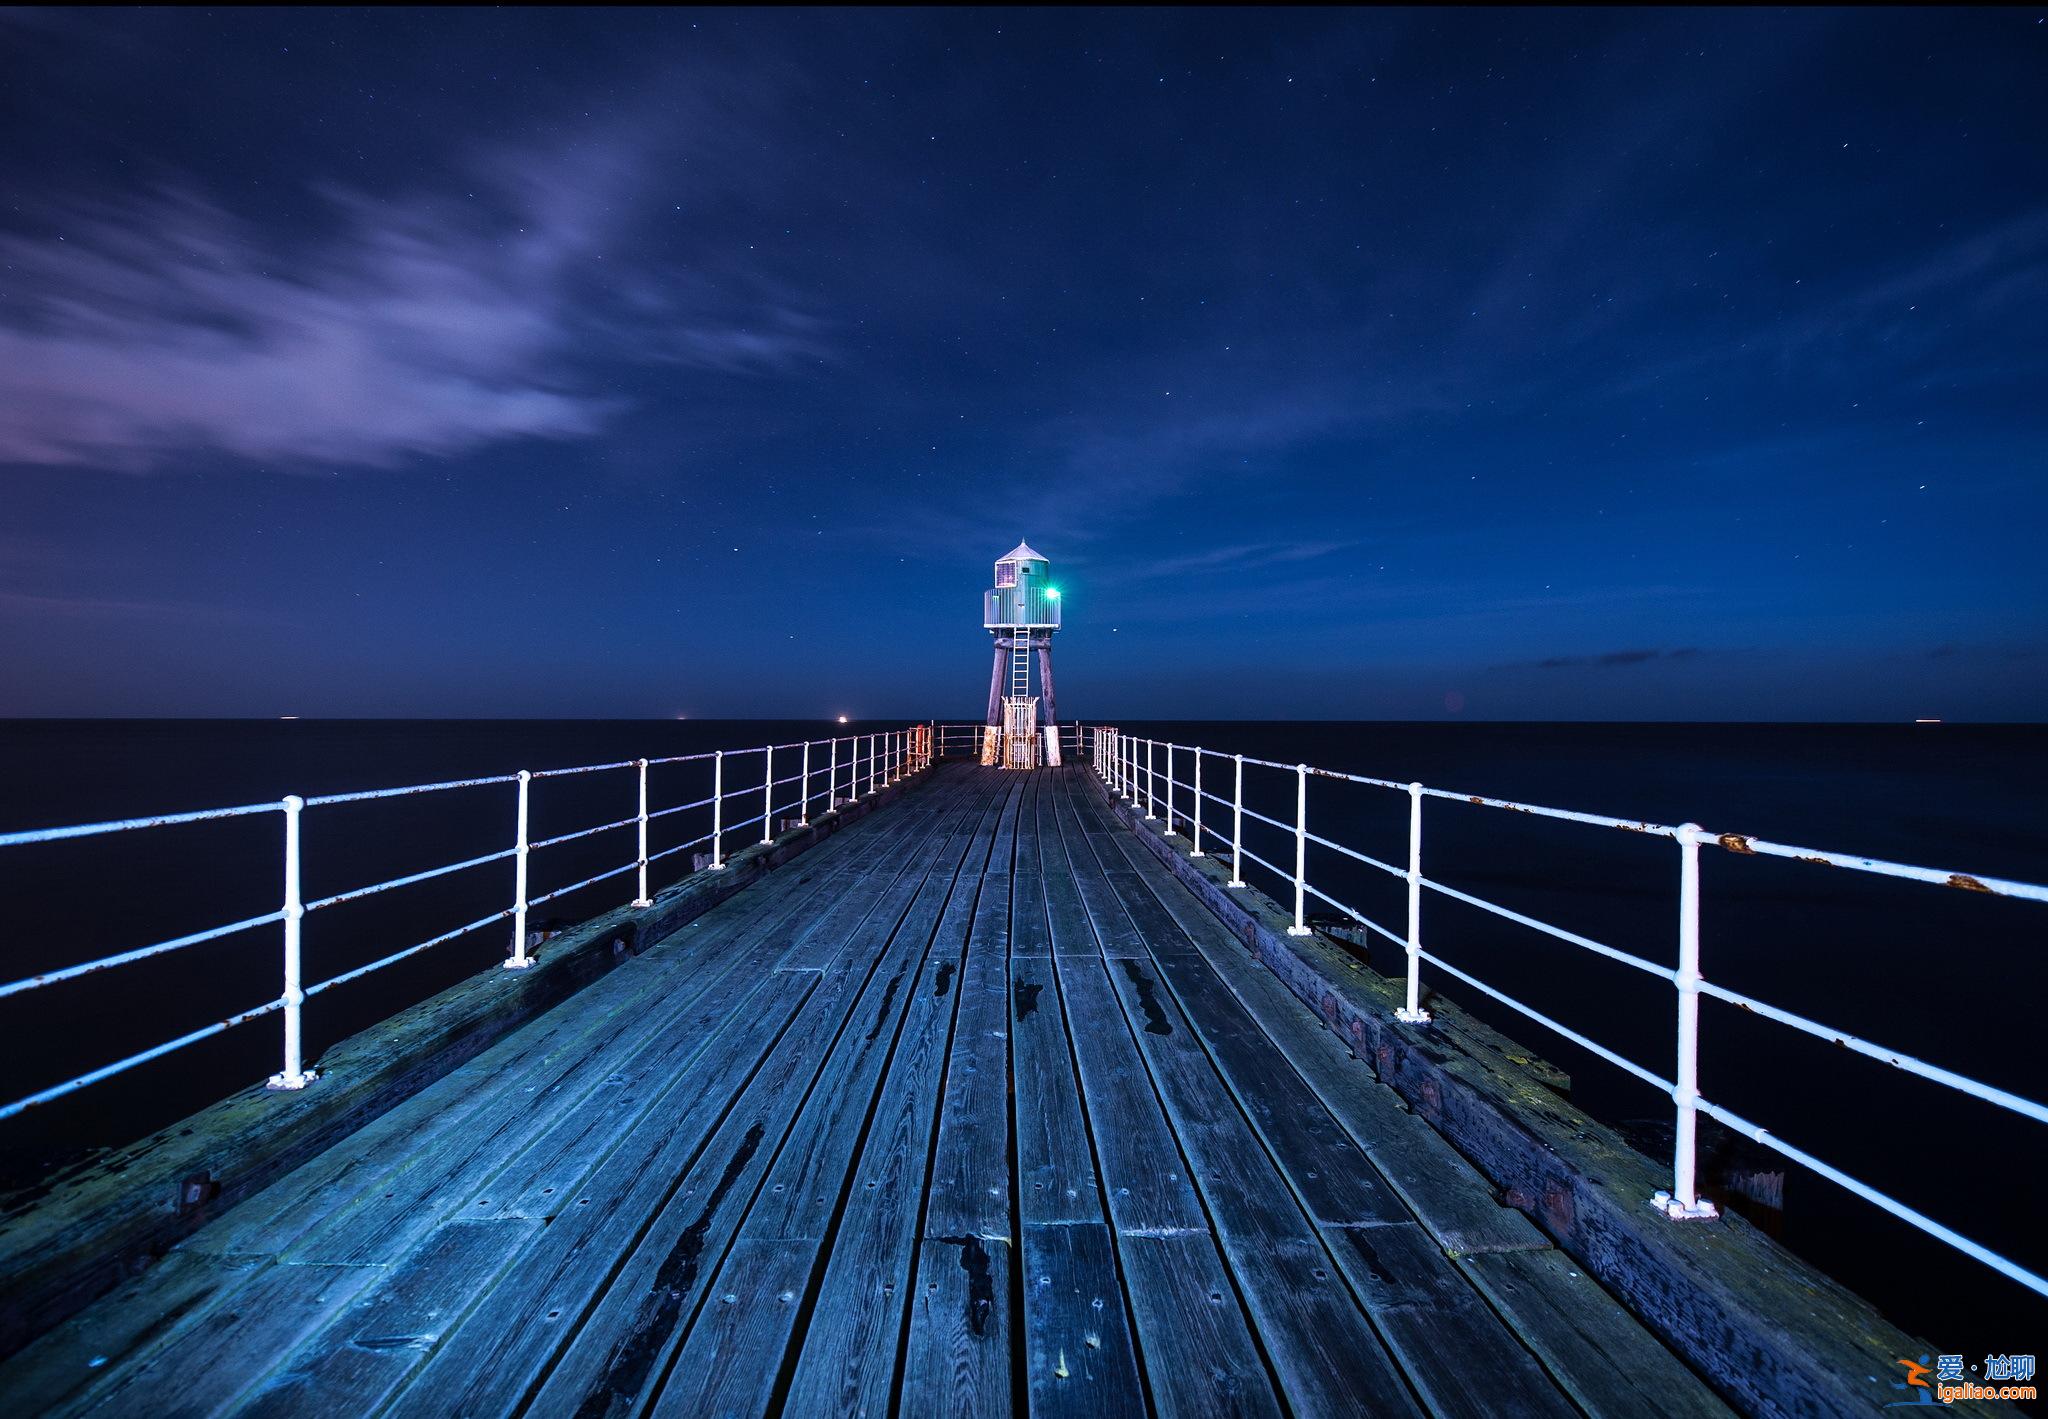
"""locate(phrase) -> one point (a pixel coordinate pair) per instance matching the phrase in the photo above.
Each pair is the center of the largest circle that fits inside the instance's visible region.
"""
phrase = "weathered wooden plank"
(846, 1359)
(745, 1325)
(1324, 1354)
(1056, 1179)
(613, 1335)
(132, 1323)
(1113, 930)
(488, 1368)
(812, 1170)
(1194, 1338)
(363, 1354)
(957, 1358)
(1072, 1291)
(846, 1362)
(1435, 1181)
(1335, 1180)
(898, 863)
(1078, 1358)
(618, 1008)
(958, 1361)
(1439, 1330)
(1197, 1349)
(1432, 1178)
(1143, 1173)
(1598, 1351)
(1029, 933)
(777, 1180)
(327, 1187)
(970, 1185)
(228, 1349)
(453, 1174)
(533, 1183)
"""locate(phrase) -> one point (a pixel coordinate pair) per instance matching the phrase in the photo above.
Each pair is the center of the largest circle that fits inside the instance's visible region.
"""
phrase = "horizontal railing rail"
(833, 772)
(1147, 773)
(964, 741)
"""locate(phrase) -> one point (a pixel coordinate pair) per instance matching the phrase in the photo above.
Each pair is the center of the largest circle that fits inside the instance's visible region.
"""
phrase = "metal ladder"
(1020, 666)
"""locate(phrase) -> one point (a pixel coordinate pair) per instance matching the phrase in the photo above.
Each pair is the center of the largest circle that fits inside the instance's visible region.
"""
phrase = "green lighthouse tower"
(1021, 611)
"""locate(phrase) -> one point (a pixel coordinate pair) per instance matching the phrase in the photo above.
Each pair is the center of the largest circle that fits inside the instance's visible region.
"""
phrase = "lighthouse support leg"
(1052, 719)
(992, 735)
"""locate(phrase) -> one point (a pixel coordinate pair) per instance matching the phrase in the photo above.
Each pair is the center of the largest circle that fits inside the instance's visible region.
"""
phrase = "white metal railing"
(963, 741)
(831, 771)
(1143, 772)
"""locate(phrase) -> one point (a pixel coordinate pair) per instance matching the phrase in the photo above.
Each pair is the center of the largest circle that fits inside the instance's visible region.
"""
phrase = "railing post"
(1169, 790)
(1413, 1013)
(520, 960)
(717, 811)
(1151, 787)
(803, 812)
(1197, 852)
(1237, 828)
(832, 779)
(1300, 927)
(295, 1074)
(643, 900)
(1687, 1204)
(768, 794)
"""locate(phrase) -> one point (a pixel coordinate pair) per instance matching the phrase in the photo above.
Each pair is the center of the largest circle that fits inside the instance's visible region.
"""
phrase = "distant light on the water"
(287, 716)
(842, 719)
(1926, 721)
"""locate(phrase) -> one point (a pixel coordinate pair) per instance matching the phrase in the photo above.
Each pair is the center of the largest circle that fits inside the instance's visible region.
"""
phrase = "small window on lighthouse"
(1006, 573)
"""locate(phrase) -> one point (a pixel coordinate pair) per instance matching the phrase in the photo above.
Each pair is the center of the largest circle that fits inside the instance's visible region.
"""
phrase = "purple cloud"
(131, 331)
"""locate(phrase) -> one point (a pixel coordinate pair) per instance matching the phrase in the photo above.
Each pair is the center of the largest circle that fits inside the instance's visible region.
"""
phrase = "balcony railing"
(963, 741)
(1148, 774)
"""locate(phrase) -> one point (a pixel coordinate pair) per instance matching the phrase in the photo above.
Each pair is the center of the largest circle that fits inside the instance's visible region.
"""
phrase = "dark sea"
(1953, 977)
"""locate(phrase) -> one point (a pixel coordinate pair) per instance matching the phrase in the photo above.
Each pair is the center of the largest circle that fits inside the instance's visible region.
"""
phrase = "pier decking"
(973, 1108)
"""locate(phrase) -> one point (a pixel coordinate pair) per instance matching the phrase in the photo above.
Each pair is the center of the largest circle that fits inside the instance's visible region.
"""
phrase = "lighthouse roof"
(1023, 552)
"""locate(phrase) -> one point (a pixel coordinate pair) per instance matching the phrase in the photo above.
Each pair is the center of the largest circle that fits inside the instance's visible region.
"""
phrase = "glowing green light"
(1053, 592)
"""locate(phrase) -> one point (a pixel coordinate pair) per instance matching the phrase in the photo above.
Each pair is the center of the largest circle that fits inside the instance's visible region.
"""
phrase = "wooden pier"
(973, 1108)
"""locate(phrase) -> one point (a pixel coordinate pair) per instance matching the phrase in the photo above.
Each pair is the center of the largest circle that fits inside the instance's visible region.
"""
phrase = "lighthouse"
(1021, 611)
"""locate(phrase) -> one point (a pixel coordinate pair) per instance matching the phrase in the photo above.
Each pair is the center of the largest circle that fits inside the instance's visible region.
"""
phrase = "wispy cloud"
(38, 607)
(1613, 659)
(136, 329)
(1232, 559)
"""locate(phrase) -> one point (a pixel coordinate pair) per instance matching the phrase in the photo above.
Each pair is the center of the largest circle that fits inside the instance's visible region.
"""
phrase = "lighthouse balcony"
(1033, 607)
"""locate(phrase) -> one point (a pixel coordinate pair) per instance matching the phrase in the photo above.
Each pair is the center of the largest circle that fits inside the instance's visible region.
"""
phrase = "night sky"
(1493, 364)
